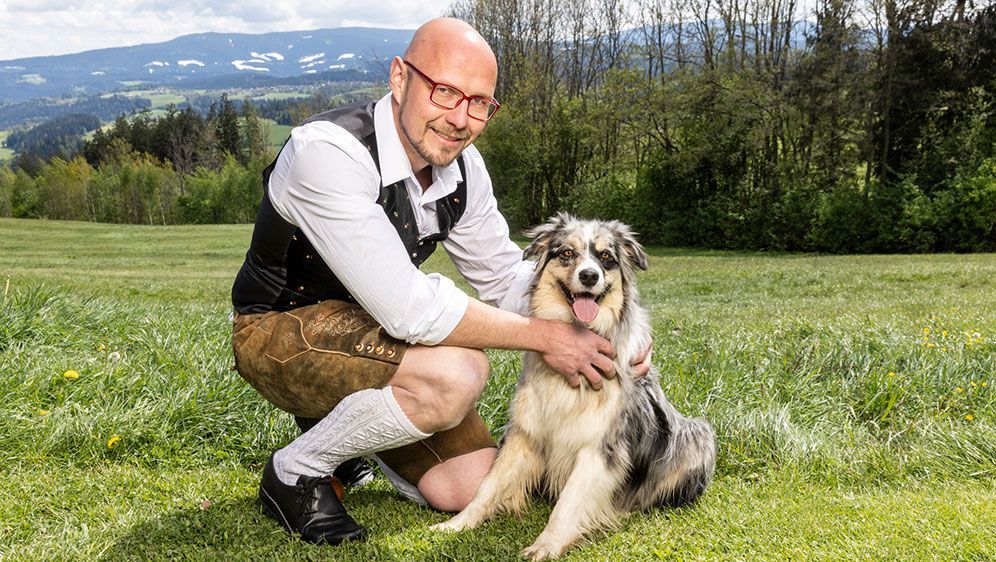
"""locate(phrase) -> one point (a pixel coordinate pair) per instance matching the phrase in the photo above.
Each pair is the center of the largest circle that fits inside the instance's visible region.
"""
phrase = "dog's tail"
(692, 461)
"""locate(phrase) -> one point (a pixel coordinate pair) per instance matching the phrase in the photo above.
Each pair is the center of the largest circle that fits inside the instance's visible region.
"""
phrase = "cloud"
(49, 27)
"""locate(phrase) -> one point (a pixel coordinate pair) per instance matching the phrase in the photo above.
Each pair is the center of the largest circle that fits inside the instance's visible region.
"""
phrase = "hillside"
(207, 60)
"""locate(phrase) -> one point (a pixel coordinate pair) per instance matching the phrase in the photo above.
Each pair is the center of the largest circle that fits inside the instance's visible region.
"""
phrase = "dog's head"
(585, 270)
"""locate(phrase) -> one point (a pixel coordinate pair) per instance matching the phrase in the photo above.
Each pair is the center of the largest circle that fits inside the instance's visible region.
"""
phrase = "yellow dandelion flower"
(973, 384)
(71, 375)
(101, 347)
(969, 417)
(944, 333)
(926, 329)
(113, 441)
(42, 413)
(959, 389)
(984, 384)
(931, 345)
(892, 373)
(944, 349)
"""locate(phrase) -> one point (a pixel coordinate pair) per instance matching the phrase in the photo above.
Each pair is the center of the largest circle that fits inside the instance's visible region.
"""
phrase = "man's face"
(436, 135)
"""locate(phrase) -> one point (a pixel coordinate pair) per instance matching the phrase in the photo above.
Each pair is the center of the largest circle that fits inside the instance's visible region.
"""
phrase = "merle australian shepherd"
(599, 454)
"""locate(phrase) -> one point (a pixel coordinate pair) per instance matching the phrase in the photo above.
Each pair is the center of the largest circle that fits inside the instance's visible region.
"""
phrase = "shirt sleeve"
(328, 189)
(480, 246)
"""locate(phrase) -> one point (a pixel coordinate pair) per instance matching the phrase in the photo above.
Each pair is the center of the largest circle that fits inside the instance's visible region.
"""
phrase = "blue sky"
(53, 27)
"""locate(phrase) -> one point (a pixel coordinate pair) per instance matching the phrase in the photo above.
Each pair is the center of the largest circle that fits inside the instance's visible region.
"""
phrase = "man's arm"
(569, 349)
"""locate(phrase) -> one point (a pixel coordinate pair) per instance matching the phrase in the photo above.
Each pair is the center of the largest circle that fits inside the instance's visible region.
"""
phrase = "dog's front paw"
(542, 550)
(446, 527)
(453, 525)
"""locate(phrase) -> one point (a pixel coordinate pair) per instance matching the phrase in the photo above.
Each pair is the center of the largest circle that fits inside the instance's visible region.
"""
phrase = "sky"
(55, 27)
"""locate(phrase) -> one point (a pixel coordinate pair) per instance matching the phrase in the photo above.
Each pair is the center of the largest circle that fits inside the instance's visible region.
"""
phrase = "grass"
(277, 134)
(852, 398)
(5, 153)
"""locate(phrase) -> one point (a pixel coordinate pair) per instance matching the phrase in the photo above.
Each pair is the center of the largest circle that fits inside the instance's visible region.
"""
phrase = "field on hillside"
(852, 398)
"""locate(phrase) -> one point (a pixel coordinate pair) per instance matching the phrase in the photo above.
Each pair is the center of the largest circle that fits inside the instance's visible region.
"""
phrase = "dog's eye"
(605, 255)
(567, 254)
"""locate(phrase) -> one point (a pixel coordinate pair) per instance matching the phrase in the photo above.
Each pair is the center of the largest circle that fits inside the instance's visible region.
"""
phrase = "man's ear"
(544, 235)
(398, 78)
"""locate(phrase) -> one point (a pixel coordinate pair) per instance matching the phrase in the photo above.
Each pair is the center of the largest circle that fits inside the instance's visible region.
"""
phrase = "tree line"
(856, 126)
(178, 168)
(861, 126)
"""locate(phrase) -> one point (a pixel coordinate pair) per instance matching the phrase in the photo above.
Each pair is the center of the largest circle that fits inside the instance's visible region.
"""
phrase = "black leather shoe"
(310, 508)
(354, 472)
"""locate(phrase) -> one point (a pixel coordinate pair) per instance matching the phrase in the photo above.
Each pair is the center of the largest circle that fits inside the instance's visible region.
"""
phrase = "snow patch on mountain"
(241, 65)
(310, 58)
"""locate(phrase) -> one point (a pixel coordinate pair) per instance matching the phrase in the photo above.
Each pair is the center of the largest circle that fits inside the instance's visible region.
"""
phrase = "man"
(334, 321)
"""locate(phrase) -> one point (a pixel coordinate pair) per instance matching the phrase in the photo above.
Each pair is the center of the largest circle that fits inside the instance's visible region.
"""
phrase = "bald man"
(335, 323)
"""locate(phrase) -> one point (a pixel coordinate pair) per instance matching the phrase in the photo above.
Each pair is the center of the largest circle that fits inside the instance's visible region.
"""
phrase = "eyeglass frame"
(432, 90)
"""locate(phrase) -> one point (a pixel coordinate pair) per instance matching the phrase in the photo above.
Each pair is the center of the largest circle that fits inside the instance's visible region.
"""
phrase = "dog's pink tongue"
(585, 309)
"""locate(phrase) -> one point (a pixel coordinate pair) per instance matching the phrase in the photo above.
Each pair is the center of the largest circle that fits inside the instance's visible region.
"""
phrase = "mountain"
(206, 60)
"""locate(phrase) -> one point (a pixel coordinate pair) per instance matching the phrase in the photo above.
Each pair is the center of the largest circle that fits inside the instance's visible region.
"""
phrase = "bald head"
(449, 42)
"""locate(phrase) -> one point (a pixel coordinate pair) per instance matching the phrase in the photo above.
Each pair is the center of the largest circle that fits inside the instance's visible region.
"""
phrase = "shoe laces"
(306, 503)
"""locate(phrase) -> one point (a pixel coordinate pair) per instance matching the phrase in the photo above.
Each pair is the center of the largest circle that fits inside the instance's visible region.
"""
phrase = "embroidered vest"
(283, 271)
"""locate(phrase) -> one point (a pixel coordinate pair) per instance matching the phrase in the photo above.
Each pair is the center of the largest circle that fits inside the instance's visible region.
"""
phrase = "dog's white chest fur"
(561, 419)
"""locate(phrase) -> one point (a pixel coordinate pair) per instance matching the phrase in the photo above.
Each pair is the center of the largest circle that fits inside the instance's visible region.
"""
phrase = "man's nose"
(458, 115)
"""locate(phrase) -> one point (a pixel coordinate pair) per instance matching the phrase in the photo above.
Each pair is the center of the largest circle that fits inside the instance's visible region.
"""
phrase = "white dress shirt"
(326, 183)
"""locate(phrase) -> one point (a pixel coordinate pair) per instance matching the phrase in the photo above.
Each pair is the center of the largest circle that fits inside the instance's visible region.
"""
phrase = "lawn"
(852, 398)
(5, 153)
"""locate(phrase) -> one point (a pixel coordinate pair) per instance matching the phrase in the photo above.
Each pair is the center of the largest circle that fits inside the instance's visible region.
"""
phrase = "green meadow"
(852, 398)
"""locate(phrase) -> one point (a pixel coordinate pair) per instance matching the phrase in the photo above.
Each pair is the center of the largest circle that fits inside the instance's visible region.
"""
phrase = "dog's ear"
(543, 235)
(634, 252)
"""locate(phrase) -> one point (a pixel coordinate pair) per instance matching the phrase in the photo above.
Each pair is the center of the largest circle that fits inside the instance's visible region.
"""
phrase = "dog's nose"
(588, 277)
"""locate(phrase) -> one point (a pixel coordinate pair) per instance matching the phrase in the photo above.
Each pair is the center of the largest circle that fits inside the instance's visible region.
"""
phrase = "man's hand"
(641, 363)
(574, 352)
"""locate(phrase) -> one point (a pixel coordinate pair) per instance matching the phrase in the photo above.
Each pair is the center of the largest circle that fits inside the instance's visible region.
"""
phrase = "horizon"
(28, 26)
(209, 32)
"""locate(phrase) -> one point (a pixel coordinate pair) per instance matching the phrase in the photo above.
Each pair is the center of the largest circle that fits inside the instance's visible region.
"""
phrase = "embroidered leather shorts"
(304, 361)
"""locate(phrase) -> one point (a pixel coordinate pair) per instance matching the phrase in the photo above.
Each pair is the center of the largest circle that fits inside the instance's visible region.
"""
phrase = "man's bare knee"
(451, 485)
(437, 387)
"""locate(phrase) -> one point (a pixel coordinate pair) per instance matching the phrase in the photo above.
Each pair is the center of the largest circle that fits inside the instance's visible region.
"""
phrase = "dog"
(599, 454)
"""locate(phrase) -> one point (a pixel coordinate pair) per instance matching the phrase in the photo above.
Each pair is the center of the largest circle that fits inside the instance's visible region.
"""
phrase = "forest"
(840, 126)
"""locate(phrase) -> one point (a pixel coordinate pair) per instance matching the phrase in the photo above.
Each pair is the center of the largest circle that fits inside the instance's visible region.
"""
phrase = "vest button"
(420, 242)
(414, 254)
(358, 347)
(292, 303)
(307, 256)
(390, 353)
(301, 288)
(294, 237)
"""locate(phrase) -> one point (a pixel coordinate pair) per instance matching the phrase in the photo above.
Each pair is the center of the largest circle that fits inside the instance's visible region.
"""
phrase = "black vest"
(282, 270)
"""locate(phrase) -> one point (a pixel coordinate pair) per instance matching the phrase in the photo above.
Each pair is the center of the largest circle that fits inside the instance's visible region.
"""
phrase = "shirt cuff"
(516, 298)
(434, 328)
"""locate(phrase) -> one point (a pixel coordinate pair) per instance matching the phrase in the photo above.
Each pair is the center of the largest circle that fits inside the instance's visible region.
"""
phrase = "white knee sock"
(361, 424)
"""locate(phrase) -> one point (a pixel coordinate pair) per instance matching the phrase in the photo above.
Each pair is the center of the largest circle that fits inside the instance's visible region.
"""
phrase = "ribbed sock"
(361, 424)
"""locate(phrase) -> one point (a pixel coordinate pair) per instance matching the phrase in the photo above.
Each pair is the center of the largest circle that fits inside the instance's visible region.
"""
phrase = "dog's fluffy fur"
(599, 454)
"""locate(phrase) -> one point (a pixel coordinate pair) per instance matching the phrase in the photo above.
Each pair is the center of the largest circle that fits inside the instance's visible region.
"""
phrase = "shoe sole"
(271, 508)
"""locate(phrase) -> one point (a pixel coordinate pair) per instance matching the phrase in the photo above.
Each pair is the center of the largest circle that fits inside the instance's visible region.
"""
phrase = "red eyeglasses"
(448, 97)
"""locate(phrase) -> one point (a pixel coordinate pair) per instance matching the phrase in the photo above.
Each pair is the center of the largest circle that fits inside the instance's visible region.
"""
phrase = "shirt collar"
(394, 164)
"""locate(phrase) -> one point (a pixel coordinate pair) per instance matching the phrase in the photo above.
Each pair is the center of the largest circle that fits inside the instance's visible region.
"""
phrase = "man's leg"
(432, 391)
(442, 401)
(307, 360)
